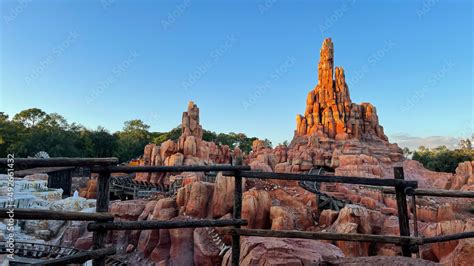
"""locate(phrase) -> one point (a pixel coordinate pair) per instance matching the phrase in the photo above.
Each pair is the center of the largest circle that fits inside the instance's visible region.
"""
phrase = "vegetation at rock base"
(442, 159)
(33, 130)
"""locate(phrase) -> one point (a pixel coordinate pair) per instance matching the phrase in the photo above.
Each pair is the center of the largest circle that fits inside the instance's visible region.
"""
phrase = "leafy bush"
(442, 159)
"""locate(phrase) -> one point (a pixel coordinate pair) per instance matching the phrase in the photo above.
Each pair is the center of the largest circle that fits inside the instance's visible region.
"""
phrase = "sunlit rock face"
(333, 132)
(284, 251)
(329, 109)
(190, 149)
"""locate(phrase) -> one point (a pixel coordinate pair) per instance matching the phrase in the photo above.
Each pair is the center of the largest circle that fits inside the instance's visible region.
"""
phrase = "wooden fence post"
(237, 213)
(102, 205)
(402, 207)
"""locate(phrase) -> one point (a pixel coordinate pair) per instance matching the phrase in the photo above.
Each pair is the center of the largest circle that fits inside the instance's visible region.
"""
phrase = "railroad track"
(325, 201)
(127, 186)
(30, 252)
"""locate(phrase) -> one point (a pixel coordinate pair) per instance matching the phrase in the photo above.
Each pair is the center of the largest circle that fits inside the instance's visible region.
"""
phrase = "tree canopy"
(34, 130)
(442, 159)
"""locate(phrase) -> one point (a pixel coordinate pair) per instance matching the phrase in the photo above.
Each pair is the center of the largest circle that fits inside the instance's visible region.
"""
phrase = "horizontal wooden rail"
(330, 179)
(35, 214)
(445, 238)
(78, 258)
(435, 193)
(398, 240)
(51, 162)
(164, 224)
(184, 168)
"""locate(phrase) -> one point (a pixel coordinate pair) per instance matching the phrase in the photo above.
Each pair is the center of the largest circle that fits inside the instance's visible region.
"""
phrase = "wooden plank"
(162, 224)
(102, 205)
(41, 170)
(436, 192)
(61, 179)
(78, 258)
(22, 163)
(237, 214)
(444, 238)
(389, 239)
(165, 169)
(36, 214)
(403, 219)
(416, 249)
(329, 179)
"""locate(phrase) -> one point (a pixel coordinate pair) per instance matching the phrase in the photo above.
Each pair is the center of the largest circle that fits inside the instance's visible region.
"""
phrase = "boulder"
(283, 251)
(328, 217)
(182, 245)
(195, 198)
(256, 208)
(223, 197)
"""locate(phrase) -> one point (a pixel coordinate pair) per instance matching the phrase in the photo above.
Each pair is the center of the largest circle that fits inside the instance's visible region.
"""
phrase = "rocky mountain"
(330, 111)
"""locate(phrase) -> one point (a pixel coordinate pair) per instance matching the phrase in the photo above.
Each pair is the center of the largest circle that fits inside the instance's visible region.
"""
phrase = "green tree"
(103, 143)
(161, 137)
(29, 117)
(442, 159)
(132, 139)
(53, 120)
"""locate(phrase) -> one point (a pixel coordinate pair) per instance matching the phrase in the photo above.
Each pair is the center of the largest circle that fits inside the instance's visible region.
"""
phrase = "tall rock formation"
(191, 135)
(329, 109)
(190, 149)
(333, 132)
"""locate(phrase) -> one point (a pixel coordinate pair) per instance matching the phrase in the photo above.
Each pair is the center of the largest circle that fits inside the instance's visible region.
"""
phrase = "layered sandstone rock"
(195, 198)
(331, 128)
(464, 177)
(190, 149)
(256, 208)
(223, 198)
(463, 253)
(329, 109)
(283, 251)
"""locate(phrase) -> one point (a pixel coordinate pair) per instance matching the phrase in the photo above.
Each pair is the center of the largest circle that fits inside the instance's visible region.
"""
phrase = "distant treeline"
(442, 159)
(33, 130)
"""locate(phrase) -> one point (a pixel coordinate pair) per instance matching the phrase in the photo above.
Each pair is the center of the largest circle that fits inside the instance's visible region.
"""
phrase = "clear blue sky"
(248, 65)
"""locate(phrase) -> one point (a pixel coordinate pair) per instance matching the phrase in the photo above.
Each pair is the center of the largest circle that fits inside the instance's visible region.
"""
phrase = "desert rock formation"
(190, 149)
(329, 109)
(333, 132)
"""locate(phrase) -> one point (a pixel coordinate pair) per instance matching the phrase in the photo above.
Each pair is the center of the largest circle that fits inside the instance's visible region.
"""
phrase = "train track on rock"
(127, 187)
(32, 252)
(325, 201)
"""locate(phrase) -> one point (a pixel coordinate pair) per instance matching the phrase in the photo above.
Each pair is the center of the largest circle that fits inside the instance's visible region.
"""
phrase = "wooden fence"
(103, 222)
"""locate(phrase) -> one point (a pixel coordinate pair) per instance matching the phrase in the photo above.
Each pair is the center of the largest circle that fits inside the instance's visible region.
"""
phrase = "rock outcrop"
(190, 149)
(278, 251)
(329, 109)
(333, 131)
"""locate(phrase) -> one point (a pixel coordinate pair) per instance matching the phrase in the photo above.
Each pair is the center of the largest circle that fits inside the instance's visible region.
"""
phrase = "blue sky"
(248, 65)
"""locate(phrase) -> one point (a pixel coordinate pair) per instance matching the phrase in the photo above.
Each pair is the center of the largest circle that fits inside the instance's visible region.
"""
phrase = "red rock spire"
(329, 109)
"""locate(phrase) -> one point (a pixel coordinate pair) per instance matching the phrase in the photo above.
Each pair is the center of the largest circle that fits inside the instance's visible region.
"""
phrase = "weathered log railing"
(434, 193)
(34, 214)
(103, 222)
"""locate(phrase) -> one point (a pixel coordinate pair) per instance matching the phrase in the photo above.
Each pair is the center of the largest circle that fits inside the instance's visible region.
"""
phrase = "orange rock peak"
(329, 109)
